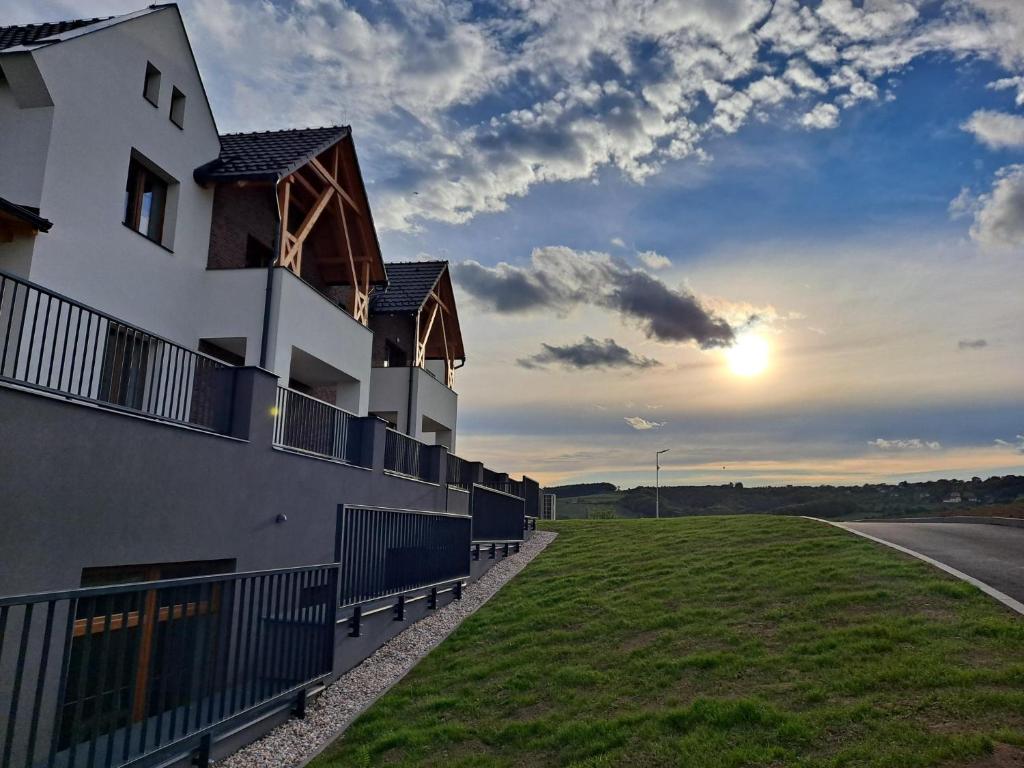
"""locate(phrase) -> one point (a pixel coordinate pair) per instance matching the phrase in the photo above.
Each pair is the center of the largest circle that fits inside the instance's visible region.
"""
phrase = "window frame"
(140, 170)
(152, 74)
(177, 106)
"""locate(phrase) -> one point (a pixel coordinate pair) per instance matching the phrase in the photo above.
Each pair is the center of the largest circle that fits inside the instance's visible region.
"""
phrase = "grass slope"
(727, 641)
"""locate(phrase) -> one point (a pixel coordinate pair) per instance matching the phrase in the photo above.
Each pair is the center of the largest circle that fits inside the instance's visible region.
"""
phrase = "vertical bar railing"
(313, 426)
(497, 515)
(106, 676)
(459, 472)
(386, 552)
(407, 456)
(52, 343)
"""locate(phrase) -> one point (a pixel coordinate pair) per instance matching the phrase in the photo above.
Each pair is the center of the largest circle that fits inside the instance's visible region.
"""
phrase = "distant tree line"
(831, 501)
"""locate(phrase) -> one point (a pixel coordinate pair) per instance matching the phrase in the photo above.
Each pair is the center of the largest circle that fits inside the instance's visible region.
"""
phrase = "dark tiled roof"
(28, 215)
(268, 154)
(409, 285)
(26, 34)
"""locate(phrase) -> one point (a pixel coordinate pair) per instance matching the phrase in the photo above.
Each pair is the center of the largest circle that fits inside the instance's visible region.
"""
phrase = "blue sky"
(641, 200)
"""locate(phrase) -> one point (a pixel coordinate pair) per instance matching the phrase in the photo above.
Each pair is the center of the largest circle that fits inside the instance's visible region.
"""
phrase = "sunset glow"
(749, 356)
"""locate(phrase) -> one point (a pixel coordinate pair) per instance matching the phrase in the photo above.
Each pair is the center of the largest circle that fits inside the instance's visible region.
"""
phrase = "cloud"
(618, 242)
(996, 130)
(461, 107)
(640, 423)
(653, 260)
(560, 278)
(911, 444)
(998, 214)
(1017, 444)
(822, 117)
(971, 344)
(1015, 83)
(589, 353)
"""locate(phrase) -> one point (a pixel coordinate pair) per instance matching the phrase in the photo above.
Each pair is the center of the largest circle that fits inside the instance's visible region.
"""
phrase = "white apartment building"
(257, 248)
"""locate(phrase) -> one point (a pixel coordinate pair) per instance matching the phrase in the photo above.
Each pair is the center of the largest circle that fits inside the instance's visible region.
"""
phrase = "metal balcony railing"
(386, 552)
(306, 424)
(407, 456)
(145, 672)
(459, 472)
(52, 343)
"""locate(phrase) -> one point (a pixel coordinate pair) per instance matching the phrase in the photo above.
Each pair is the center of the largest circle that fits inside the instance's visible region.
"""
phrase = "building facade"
(228, 423)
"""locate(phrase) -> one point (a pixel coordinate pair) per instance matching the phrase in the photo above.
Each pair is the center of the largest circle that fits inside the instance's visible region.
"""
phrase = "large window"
(145, 201)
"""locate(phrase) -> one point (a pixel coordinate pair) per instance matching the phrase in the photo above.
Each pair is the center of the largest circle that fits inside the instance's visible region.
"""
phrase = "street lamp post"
(657, 481)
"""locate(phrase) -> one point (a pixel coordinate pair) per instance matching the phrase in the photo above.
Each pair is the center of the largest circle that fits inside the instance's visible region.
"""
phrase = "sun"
(748, 357)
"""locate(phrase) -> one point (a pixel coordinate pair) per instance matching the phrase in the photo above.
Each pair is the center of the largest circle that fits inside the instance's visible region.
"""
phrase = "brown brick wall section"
(237, 213)
(398, 329)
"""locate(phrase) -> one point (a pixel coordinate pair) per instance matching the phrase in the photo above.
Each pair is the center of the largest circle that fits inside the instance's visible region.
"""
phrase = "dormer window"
(151, 90)
(178, 108)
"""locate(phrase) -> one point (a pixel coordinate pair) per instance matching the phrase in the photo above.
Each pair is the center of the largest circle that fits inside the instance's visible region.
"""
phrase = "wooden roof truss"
(436, 329)
(320, 191)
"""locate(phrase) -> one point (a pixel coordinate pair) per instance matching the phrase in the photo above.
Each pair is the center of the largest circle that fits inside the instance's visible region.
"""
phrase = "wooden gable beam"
(293, 254)
(360, 296)
(284, 202)
(317, 166)
(421, 343)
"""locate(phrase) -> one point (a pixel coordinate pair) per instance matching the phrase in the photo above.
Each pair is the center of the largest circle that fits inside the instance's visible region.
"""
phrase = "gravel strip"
(295, 742)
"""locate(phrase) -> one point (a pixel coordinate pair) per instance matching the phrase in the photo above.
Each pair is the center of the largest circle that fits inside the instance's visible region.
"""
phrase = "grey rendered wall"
(82, 486)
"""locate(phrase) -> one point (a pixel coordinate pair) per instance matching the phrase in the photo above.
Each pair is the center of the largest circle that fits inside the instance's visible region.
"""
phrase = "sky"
(783, 240)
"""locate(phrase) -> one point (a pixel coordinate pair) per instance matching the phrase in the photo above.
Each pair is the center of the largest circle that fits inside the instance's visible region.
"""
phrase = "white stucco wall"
(231, 306)
(26, 132)
(389, 393)
(302, 318)
(99, 116)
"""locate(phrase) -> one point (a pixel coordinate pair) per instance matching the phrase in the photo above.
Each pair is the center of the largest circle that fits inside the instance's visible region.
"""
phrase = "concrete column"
(372, 432)
(252, 414)
(531, 492)
(437, 464)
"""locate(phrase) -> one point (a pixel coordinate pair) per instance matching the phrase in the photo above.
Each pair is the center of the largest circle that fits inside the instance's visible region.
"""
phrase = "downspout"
(265, 340)
(415, 355)
(408, 405)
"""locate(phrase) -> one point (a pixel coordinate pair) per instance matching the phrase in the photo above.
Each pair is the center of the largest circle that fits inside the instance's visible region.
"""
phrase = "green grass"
(726, 641)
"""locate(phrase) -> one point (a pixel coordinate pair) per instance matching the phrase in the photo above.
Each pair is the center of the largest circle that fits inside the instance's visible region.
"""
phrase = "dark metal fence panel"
(306, 424)
(108, 676)
(503, 483)
(385, 552)
(497, 516)
(407, 456)
(52, 343)
(459, 472)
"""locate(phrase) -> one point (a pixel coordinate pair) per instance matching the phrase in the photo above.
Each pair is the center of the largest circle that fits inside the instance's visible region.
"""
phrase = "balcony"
(311, 339)
(415, 402)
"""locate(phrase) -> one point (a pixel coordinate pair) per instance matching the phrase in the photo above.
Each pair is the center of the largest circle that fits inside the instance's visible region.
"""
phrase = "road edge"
(1002, 597)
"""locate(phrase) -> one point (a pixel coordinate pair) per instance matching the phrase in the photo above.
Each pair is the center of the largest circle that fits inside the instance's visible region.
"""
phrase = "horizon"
(785, 244)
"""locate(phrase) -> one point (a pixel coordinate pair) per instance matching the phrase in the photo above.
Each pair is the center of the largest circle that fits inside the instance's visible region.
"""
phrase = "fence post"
(475, 470)
(437, 464)
(252, 412)
(372, 432)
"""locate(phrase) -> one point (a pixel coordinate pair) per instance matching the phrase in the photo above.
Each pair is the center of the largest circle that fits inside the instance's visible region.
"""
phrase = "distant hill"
(581, 489)
(996, 496)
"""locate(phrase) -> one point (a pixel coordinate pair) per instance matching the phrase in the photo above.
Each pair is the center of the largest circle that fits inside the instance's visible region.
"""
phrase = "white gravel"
(296, 742)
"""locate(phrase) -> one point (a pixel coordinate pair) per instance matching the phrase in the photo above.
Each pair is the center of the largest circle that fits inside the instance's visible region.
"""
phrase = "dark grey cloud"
(560, 278)
(972, 344)
(589, 353)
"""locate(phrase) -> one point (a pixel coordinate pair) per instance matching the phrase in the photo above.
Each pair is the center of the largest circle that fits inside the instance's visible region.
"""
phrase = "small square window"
(151, 90)
(177, 107)
(145, 200)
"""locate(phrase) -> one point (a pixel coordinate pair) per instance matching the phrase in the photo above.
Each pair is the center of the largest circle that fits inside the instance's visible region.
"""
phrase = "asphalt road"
(993, 554)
